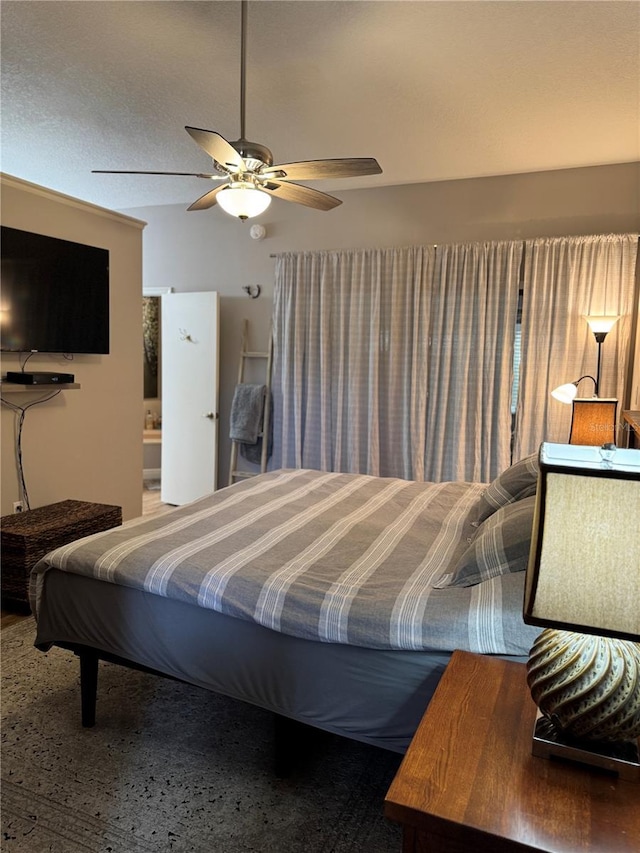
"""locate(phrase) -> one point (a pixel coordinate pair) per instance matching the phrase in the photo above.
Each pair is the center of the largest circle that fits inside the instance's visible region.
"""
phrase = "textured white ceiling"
(433, 90)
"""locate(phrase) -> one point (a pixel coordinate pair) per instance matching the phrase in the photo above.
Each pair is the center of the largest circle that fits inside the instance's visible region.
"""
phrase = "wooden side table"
(469, 783)
(27, 536)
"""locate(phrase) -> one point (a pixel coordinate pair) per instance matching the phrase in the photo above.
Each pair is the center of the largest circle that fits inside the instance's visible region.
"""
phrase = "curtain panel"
(472, 322)
(349, 369)
(564, 279)
(396, 362)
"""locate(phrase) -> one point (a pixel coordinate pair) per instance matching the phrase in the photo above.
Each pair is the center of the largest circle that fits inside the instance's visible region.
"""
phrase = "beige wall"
(210, 251)
(87, 445)
(84, 444)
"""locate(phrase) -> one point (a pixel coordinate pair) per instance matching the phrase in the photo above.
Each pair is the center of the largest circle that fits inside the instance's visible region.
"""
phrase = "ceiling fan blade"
(184, 174)
(218, 148)
(301, 195)
(207, 200)
(309, 170)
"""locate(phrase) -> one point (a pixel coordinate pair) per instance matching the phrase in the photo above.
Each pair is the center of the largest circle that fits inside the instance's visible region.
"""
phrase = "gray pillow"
(500, 546)
(517, 482)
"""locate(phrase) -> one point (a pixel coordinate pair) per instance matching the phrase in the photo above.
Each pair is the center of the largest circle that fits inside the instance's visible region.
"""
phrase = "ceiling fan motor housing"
(254, 154)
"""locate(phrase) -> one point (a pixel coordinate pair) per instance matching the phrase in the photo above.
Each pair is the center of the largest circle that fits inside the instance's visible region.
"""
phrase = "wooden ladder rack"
(245, 355)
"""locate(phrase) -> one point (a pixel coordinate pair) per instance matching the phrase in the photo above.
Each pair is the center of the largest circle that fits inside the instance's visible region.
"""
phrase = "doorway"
(151, 413)
(190, 379)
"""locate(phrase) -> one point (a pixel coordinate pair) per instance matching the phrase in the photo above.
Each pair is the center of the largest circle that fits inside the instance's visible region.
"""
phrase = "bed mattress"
(305, 593)
(333, 558)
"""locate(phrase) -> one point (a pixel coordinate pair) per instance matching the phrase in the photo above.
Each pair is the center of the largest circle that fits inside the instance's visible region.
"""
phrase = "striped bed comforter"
(336, 558)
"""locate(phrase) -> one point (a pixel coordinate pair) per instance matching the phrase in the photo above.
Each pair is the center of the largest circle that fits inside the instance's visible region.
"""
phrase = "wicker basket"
(28, 536)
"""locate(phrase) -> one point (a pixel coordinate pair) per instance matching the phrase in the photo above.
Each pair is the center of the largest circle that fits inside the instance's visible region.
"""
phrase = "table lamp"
(567, 392)
(593, 421)
(582, 585)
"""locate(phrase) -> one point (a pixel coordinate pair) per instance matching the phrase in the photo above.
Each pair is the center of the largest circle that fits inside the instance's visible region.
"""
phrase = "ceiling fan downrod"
(256, 154)
(243, 65)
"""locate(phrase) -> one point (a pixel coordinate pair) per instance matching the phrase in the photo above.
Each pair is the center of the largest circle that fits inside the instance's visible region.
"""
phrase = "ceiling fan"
(251, 178)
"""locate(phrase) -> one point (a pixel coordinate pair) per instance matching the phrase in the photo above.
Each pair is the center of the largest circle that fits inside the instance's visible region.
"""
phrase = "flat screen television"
(54, 295)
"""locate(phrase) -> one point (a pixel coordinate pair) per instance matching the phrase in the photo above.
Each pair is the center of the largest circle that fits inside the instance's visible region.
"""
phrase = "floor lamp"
(593, 419)
(600, 326)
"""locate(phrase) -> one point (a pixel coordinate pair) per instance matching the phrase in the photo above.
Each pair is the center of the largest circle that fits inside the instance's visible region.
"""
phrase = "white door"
(190, 376)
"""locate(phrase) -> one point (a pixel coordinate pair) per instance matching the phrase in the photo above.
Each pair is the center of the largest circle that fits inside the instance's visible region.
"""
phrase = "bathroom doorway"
(151, 413)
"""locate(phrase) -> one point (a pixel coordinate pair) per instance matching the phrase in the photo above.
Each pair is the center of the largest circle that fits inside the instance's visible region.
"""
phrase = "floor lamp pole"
(599, 336)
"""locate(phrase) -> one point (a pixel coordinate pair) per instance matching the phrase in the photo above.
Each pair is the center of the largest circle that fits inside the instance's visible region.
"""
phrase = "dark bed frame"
(291, 738)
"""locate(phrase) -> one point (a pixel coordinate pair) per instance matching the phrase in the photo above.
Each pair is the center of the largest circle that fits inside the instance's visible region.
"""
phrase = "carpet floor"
(170, 768)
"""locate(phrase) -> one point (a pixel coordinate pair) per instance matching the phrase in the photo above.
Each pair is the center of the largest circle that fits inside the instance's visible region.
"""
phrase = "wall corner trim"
(36, 189)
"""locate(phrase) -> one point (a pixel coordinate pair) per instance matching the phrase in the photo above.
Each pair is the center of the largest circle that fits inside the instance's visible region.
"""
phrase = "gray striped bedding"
(335, 558)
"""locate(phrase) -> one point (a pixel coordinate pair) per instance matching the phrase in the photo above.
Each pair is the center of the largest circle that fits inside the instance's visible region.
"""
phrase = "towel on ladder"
(247, 410)
(253, 452)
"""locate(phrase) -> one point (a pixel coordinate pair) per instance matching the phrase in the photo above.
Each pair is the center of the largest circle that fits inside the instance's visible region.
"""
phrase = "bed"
(334, 600)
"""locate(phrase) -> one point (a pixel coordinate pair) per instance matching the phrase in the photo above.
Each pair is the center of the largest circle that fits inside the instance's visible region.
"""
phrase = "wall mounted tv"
(54, 295)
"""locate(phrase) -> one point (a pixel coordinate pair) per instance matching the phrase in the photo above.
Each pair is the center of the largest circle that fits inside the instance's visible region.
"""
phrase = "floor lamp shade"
(593, 421)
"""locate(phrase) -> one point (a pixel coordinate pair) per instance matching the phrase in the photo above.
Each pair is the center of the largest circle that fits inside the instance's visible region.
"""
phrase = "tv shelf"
(40, 388)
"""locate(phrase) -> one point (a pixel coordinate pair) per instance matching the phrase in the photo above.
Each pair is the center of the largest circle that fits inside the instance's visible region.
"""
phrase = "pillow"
(500, 546)
(517, 482)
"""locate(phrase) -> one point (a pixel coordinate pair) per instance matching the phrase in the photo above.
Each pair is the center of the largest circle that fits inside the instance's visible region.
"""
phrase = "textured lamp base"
(621, 757)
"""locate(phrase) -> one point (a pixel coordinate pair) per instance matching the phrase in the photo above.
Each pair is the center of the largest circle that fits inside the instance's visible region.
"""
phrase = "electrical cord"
(24, 363)
(22, 410)
(68, 356)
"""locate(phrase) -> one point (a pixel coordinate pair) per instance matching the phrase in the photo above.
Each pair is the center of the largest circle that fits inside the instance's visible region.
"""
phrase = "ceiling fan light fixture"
(243, 200)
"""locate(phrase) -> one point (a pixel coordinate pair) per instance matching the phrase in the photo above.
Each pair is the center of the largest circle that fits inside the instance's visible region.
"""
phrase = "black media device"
(39, 377)
(55, 295)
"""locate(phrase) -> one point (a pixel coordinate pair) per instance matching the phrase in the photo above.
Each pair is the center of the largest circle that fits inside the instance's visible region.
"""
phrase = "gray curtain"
(396, 362)
(566, 278)
(349, 368)
(472, 321)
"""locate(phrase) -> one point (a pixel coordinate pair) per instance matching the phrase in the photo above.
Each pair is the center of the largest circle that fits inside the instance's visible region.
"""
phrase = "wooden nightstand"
(469, 784)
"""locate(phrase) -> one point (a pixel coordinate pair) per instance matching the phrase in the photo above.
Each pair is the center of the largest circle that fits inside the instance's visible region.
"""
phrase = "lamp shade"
(582, 585)
(600, 325)
(593, 421)
(565, 393)
(243, 200)
(583, 572)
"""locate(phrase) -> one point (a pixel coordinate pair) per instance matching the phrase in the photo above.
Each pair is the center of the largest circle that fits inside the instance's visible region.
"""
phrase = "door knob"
(211, 415)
